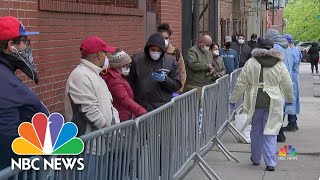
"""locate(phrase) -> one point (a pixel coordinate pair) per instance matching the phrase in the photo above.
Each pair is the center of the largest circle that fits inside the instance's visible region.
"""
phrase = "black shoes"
(270, 168)
(255, 164)
(291, 128)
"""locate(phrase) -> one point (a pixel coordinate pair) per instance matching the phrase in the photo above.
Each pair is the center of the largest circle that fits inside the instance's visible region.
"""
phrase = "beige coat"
(88, 102)
(276, 83)
(182, 68)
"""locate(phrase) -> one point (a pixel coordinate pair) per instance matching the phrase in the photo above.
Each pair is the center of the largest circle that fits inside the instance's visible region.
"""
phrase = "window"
(115, 3)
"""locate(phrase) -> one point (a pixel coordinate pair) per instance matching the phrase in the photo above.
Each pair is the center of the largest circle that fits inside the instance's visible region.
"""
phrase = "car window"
(306, 44)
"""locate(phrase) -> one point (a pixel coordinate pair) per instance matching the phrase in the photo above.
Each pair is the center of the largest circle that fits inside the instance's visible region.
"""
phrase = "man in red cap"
(17, 102)
(88, 102)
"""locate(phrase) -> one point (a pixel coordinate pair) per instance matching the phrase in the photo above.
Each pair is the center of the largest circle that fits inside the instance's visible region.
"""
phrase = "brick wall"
(63, 26)
(170, 11)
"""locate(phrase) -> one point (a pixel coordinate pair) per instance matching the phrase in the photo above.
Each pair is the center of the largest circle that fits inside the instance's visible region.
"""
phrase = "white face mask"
(106, 63)
(155, 55)
(206, 48)
(166, 42)
(125, 71)
(240, 41)
(216, 52)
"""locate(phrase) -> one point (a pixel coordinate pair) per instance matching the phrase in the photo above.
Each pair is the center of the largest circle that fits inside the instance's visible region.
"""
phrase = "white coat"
(276, 83)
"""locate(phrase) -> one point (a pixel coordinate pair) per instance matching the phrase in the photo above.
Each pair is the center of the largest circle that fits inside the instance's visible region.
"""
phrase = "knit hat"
(265, 43)
(118, 59)
(272, 33)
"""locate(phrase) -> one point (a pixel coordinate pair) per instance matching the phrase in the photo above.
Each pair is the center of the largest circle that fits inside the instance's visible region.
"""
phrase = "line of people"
(108, 86)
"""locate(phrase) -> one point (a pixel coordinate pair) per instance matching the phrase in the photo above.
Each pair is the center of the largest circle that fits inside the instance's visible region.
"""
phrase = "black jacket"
(253, 44)
(17, 102)
(147, 92)
(314, 53)
(244, 52)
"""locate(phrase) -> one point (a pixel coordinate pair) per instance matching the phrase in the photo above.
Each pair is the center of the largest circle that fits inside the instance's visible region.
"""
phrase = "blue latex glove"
(175, 94)
(160, 77)
(232, 106)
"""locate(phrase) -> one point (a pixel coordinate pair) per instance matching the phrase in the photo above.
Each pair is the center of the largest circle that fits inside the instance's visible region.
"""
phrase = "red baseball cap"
(93, 45)
(11, 27)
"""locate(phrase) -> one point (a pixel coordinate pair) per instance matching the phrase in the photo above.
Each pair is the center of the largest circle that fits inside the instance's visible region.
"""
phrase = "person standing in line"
(266, 85)
(166, 32)
(243, 50)
(122, 94)
(218, 63)
(253, 41)
(199, 65)
(154, 76)
(229, 56)
(293, 109)
(88, 101)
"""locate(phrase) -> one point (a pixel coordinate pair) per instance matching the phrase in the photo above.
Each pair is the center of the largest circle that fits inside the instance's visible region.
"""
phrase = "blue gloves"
(232, 106)
(159, 76)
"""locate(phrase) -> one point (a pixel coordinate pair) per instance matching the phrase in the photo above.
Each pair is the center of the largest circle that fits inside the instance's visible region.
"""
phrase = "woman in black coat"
(314, 56)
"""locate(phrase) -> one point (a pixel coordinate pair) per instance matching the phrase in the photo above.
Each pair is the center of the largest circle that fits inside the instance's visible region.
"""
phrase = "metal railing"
(154, 144)
(108, 154)
(9, 173)
(164, 144)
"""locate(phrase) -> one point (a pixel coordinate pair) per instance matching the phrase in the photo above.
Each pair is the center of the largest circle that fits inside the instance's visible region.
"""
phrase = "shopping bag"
(240, 121)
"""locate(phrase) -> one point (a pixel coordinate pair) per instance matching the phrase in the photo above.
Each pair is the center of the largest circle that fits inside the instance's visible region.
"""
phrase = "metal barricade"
(224, 118)
(222, 122)
(8, 173)
(233, 81)
(186, 137)
(154, 144)
(109, 153)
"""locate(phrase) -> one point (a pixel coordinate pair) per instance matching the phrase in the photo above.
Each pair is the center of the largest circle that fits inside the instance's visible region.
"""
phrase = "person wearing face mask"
(18, 103)
(199, 65)
(88, 101)
(217, 63)
(253, 42)
(229, 56)
(119, 87)
(174, 52)
(154, 75)
(243, 50)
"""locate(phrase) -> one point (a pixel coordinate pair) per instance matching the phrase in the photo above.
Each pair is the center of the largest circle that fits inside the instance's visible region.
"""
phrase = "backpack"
(177, 53)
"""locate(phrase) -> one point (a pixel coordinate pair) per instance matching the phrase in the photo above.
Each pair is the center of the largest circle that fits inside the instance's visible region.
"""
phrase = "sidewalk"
(306, 141)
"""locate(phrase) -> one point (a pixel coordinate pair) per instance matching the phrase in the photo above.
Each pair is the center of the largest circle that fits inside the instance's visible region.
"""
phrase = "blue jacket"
(230, 59)
(296, 59)
(17, 102)
(291, 58)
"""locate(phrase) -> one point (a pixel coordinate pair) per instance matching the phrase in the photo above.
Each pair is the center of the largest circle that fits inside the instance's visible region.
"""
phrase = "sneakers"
(270, 168)
(291, 128)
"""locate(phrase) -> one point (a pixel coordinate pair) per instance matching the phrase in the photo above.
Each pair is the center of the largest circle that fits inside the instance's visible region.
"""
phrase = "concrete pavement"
(306, 141)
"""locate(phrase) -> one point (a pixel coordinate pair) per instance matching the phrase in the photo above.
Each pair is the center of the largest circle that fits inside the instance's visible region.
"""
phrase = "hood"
(277, 38)
(267, 58)
(155, 39)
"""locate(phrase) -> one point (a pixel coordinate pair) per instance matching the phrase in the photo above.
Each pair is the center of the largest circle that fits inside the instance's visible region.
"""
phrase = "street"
(305, 141)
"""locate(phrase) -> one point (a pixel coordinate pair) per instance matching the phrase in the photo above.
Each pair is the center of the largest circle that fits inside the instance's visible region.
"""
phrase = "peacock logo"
(287, 151)
(47, 136)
